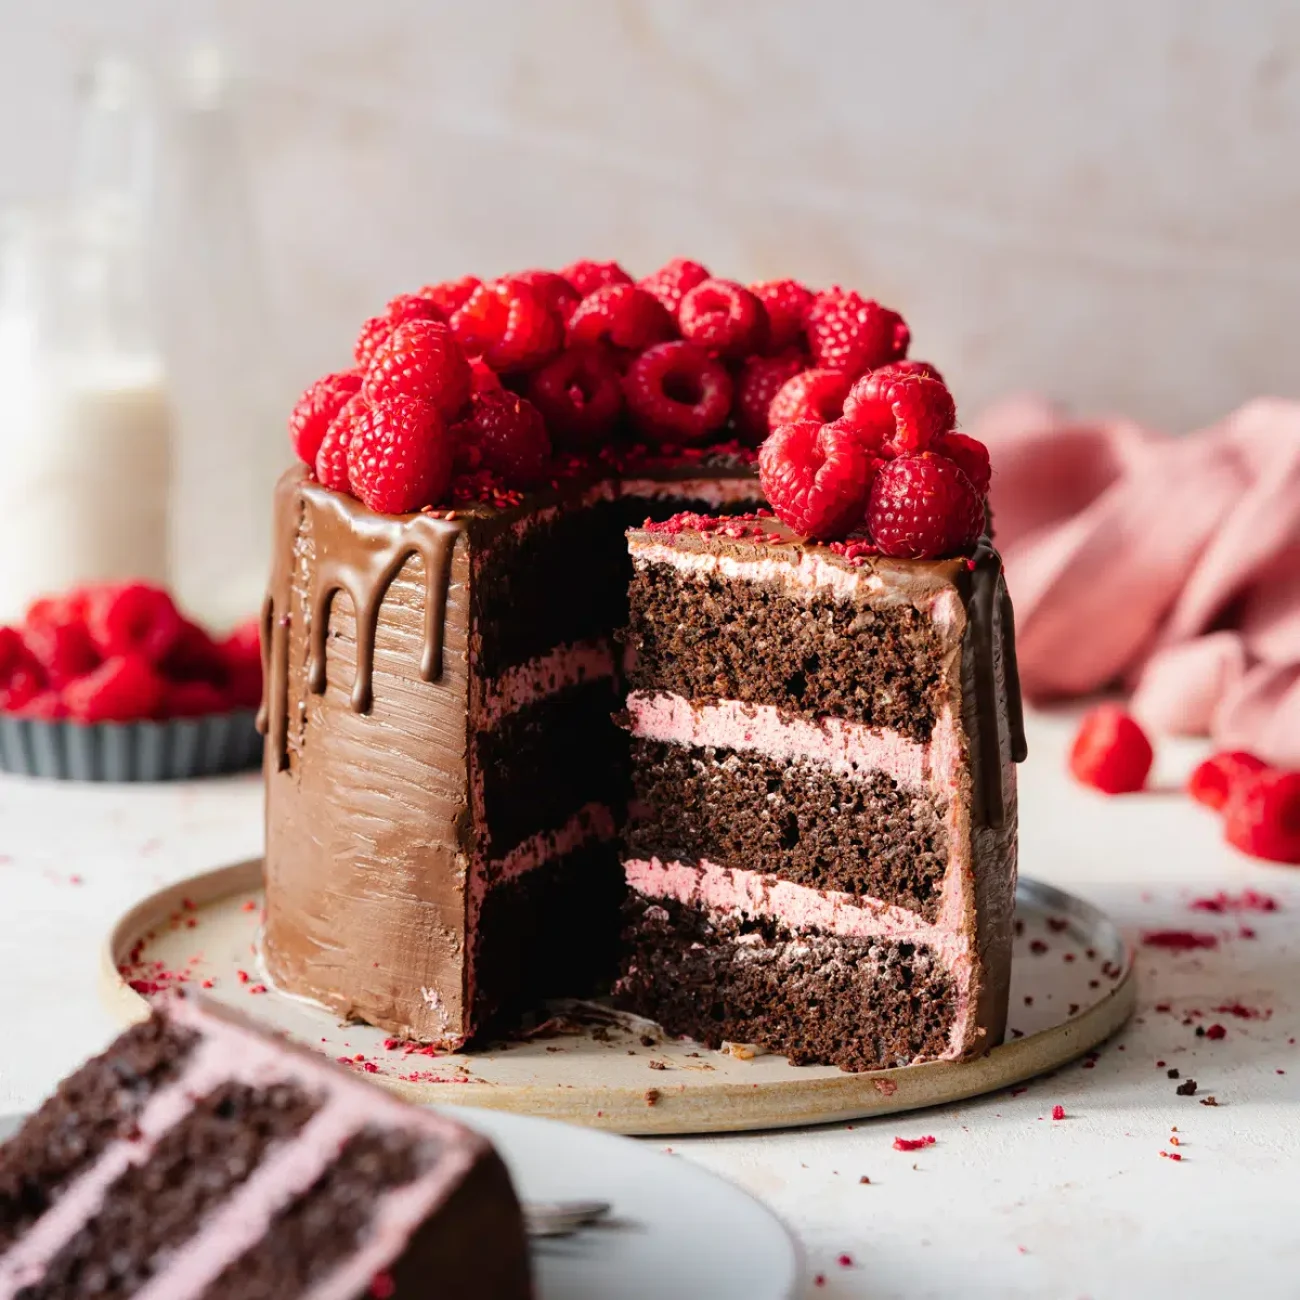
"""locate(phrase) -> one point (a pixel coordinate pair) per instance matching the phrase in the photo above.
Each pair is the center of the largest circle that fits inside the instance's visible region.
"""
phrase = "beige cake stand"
(1073, 986)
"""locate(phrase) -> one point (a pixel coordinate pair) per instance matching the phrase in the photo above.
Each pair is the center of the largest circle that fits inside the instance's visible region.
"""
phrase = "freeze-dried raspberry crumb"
(1058, 1112)
(673, 281)
(1111, 752)
(758, 382)
(1249, 900)
(1216, 1032)
(845, 1260)
(420, 360)
(851, 333)
(1179, 940)
(1037, 946)
(587, 276)
(817, 477)
(786, 303)
(382, 1286)
(913, 1144)
(723, 317)
(622, 316)
(924, 507)
(676, 393)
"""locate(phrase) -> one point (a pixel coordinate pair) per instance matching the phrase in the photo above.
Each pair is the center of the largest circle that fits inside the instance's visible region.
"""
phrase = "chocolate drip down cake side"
(564, 699)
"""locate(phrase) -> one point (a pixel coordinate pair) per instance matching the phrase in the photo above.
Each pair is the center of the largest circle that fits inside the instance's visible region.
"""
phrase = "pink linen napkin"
(1169, 566)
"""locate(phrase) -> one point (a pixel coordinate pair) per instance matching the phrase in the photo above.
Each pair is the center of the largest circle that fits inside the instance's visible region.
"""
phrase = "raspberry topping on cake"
(580, 394)
(969, 455)
(450, 295)
(559, 294)
(851, 333)
(623, 316)
(810, 395)
(509, 324)
(676, 392)
(923, 507)
(817, 477)
(586, 276)
(901, 412)
(399, 456)
(420, 360)
(723, 317)
(332, 458)
(316, 410)
(759, 381)
(509, 436)
(673, 281)
(786, 303)
(1111, 752)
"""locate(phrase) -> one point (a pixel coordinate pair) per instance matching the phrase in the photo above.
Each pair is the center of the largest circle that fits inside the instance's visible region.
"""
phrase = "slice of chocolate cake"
(822, 852)
(198, 1159)
(445, 785)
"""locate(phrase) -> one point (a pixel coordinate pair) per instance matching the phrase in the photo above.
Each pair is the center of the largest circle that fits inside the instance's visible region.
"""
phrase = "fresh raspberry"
(897, 369)
(125, 688)
(134, 619)
(970, 456)
(332, 458)
(1215, 779)
(1110, 752)
(421, 360)
(509, 435)
(678, 393)
(191, 700)
(482, 378)
(55, 633)
(405, 307)
(316, 410)
(47, 706)
(851, 333)
(923, 507)
(901, 414)
(21, 678)
(559, 294)
(586, 277)
(399, 459)
(194, 657)
(810, 395)
(510, 325)
(581, 396)
(786, 303)
(817, 477)
(673, 281)
(723, 317)
(1262, 816)
(241, 653)
(450, 295)
(759, 381)
(622, 315)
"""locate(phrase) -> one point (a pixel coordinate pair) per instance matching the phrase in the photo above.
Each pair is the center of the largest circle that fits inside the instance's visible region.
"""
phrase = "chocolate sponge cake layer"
(705, 637)
(819, 999)
(800, 820)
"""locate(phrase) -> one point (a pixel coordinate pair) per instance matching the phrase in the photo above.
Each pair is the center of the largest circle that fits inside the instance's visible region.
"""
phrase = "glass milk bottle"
(85, 431)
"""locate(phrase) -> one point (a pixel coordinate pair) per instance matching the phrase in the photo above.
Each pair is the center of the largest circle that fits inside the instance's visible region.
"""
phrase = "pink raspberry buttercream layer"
(556, 670)
(732, 890)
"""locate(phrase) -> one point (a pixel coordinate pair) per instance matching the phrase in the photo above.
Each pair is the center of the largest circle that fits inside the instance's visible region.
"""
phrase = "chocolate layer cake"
(199, 1160)
(822, 850)
(445, 786)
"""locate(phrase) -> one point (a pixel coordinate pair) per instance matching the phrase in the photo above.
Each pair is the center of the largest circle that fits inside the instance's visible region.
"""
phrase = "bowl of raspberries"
(112, 682)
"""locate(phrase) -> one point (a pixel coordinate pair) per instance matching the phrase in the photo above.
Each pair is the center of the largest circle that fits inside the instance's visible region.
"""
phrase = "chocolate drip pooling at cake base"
(357, 552)
(989, 615)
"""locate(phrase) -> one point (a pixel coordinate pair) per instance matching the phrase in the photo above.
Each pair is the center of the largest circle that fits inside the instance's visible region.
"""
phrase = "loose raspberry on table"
(757, 383)
(817, 477)
(332, 458)
(510, 325)
(969, 455)
(810, 395)
(786, 303)
(21, 678)
(1214, 780)
(450, 295)
(125, 688)
(559, 294)
(677, 393)
(623, 316)
(580, 394)
(1111, 752)
(587, 276)
(1262, 816)
(399, 459)
(509, 435)
(923, 508)
(60, 642)
(900, 413)
(405, 307)
(723, 317)
(134, 619)
(316, 409)
(673, 281)
(851, 333)
(423, 361)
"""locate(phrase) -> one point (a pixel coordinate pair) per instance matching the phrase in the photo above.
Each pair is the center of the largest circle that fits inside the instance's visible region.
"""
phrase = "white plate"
(676, 1230)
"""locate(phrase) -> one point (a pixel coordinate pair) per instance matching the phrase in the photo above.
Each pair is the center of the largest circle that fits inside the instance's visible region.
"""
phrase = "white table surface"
(1007, 1202)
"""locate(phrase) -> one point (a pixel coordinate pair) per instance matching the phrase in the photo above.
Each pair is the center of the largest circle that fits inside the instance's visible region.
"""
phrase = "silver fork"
(562, 1218)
